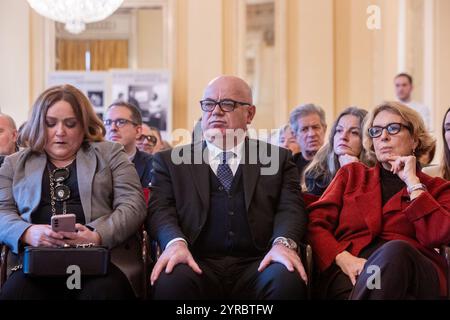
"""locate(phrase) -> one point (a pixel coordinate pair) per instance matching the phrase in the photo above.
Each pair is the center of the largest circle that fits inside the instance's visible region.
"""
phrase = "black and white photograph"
(92, 84)
(149, 91)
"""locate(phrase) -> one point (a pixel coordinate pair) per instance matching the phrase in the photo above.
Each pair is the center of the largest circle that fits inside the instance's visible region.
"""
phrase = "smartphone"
(64, 222)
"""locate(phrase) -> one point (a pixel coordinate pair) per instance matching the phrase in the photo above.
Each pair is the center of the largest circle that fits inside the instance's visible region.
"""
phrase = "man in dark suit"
(123, 122)
(227, 211)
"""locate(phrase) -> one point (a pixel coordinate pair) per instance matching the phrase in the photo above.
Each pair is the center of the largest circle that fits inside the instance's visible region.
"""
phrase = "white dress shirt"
(215, 156)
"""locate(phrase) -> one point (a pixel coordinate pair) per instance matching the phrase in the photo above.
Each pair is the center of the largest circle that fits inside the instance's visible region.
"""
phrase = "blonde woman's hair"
(412, 119)
(325, 164)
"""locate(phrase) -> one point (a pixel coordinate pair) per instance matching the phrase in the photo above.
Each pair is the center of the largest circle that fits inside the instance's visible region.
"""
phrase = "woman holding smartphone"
(67, 168)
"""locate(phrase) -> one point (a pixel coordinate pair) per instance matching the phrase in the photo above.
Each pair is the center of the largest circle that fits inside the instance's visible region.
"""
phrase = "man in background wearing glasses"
(227, 228)
(123, 123)
(150, 140)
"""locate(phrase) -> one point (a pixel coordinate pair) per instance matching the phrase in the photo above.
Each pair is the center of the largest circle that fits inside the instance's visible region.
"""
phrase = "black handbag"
(51, 262)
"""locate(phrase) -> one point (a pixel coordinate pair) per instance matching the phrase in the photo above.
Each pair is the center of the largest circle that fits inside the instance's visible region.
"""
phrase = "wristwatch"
(288, 243)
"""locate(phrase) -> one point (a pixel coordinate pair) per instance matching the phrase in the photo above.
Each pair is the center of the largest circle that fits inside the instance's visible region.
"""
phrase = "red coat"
(349, 216)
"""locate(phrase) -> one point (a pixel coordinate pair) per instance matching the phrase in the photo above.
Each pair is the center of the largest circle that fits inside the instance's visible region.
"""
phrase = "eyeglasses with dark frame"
(226, 105)
(151, 139)
(120, 123)
(392, 129)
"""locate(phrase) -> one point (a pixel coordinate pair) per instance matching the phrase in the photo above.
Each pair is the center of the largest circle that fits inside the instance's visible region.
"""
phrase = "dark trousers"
(230, 278)
(113, 286)
(405, 273)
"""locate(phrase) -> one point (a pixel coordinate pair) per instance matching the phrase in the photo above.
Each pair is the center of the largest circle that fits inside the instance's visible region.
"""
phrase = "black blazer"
(180, 194)
(144, 166)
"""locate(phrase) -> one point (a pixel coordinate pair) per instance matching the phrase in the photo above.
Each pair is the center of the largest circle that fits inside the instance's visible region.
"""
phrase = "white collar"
(215, 152)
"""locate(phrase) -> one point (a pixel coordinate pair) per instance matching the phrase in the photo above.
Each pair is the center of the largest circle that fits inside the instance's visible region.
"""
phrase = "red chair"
(146, 192)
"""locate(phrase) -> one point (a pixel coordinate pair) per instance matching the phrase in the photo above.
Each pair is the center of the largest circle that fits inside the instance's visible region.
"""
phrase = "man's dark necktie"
(224, 173)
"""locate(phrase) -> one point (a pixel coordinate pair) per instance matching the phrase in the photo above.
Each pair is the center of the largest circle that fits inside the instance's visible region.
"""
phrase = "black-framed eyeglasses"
(392, 129)
(226, 105)
(118, 122)
(151, 139)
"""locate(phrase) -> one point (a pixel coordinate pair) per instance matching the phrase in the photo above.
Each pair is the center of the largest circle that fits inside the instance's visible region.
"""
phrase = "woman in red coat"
(374, 230)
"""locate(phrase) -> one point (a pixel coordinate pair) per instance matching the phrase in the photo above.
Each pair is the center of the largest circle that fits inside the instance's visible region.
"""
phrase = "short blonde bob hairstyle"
(411, 117)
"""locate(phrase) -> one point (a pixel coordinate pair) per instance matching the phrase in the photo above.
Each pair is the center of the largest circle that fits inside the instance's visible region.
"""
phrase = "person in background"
(8, 136)
(65, 137)
(123, 124)
(443, 170)
(403, 89)
(150, 140)
(344, 146)
(165, 145)
(309, 126)
(287, 139)
(386, 220)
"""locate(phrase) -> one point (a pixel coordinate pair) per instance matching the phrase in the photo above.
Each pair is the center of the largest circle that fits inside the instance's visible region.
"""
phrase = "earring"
(414, 152)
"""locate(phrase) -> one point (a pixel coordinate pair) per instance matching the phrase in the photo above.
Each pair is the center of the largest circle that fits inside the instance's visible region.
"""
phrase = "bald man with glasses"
(228, 227)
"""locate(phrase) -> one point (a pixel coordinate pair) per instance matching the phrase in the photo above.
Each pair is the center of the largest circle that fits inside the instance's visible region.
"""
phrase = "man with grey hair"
(309, 126)
(8, 136)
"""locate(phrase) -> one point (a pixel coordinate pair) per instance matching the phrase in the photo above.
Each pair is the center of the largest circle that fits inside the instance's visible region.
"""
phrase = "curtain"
(105, 54)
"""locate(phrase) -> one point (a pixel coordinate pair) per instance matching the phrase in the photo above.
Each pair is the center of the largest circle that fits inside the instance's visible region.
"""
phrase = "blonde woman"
(344, 146)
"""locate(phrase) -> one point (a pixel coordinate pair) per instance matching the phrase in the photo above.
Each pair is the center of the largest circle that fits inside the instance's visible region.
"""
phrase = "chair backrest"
(146, 194)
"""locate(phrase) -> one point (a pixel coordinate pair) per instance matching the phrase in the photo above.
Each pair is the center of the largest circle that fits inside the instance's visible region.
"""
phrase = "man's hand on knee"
(174, 254)
(288, 257)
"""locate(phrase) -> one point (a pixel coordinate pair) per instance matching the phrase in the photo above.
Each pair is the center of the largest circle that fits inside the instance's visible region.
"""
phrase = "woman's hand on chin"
(405, 168)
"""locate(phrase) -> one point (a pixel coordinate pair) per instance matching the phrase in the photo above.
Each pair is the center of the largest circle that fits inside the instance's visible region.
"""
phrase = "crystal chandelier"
(75, 13)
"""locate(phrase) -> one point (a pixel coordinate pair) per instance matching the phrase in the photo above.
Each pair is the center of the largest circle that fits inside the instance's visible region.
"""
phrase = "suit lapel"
(34, 171)
(399, 201)
(396, 203)
(137, 161)
(200, 172)
(250, 171)
(86, 165)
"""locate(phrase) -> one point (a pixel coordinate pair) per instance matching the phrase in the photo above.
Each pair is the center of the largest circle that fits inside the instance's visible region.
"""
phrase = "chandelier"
(75, 13)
